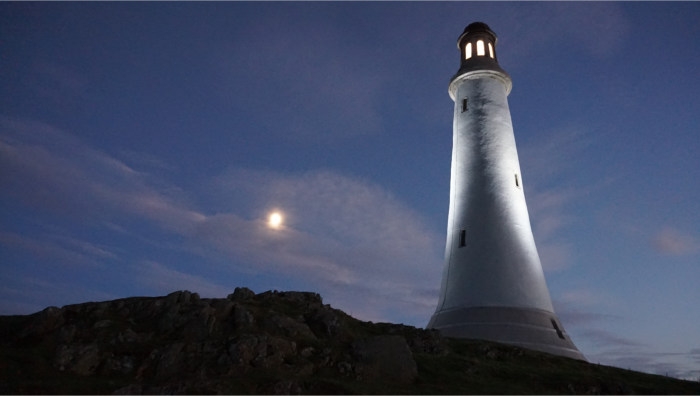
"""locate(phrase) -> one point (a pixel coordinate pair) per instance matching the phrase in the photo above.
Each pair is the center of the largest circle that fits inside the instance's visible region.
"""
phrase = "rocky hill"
(274, 343)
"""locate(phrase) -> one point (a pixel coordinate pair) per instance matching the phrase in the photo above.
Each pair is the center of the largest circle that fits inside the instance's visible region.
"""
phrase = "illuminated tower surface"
(493, 286)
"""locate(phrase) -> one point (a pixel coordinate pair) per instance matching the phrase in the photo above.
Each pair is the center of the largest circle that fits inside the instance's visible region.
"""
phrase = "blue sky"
(143, 146)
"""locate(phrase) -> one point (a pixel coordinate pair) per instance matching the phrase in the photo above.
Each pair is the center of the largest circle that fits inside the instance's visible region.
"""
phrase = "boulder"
(241, 294)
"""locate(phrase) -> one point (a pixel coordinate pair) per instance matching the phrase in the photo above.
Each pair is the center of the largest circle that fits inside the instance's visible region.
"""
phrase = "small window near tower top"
(491, 50)
(464, 105)
(480, 48)
(517, 181)
(463, 238)
(468, 51)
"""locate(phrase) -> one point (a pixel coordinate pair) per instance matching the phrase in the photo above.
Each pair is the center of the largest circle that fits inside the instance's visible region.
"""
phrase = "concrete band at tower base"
(493, 285)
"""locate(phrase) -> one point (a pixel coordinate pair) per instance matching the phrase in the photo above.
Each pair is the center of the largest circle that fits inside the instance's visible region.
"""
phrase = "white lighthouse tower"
(493, 286)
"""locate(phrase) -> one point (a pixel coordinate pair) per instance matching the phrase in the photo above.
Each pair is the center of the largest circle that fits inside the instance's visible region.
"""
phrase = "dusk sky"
(144, 145)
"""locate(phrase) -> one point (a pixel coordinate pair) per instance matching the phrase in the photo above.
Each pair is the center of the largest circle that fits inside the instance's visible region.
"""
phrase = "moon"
(275, 220)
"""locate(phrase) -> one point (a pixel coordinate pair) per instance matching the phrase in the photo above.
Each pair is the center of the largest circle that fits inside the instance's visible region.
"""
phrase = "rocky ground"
(274, 343)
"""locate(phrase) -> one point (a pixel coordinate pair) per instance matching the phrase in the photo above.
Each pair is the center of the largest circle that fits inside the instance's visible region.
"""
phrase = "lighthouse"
(493, 286)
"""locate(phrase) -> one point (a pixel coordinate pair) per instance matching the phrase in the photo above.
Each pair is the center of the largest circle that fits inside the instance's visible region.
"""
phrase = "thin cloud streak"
(52, 170)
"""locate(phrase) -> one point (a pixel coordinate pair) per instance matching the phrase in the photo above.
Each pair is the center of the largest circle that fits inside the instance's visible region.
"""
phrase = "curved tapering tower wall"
(493, 286)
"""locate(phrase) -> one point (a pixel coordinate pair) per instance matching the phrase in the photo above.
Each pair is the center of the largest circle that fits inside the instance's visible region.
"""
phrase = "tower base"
(524, 327)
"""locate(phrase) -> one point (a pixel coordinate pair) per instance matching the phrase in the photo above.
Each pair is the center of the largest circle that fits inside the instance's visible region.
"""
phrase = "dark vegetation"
(275, 343)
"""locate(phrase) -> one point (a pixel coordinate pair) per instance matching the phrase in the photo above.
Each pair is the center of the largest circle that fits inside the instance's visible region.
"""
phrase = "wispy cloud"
(51, 170)
(673, 242)
(143, 160)
(345, 237)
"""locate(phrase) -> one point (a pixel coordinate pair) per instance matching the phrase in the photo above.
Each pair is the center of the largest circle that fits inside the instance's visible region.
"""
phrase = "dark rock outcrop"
(272, 343)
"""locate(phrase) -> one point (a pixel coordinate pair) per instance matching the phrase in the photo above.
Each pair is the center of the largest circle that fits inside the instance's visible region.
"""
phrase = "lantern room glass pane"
(480, 48)
(468, 51)
(490, 50)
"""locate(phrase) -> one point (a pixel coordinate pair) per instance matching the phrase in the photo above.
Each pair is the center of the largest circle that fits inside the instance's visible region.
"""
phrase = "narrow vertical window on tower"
(480, 48)
(465, 104)
(468, 51)
(560, 333)
(491, 50)
(517, 181)
(463, 238)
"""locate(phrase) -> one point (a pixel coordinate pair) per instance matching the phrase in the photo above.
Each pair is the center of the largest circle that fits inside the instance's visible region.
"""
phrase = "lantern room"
(477, 46)
(477, 41)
